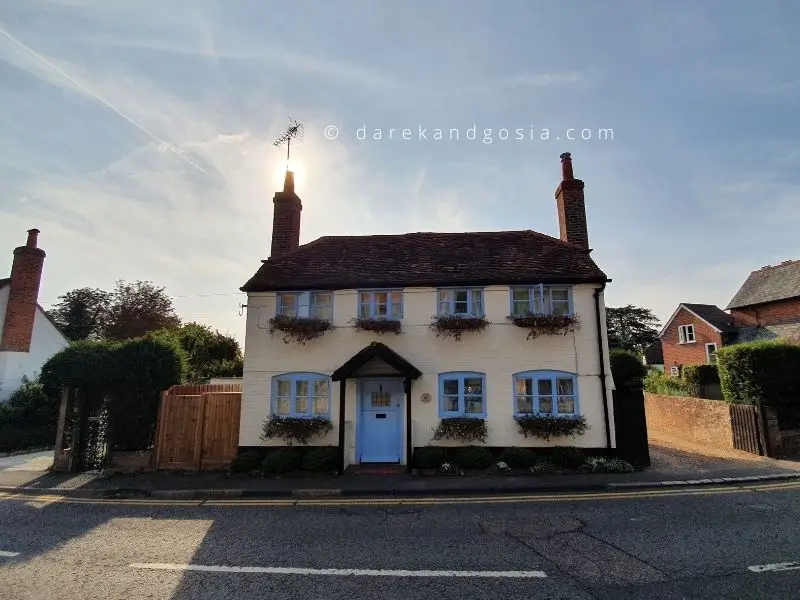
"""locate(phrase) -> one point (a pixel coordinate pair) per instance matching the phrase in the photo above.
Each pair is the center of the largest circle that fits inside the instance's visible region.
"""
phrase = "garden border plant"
(299, 329)
(544, 324)
(453, 326)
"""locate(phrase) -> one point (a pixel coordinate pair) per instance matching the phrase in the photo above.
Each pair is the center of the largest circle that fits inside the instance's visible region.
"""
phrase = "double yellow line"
(423, 501)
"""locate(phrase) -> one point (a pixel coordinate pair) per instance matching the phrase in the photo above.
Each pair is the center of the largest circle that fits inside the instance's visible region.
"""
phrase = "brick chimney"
(571, 206)
(286, 219)
(26, 275)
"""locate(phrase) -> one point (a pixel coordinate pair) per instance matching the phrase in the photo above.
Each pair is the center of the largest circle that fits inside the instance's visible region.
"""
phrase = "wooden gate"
(746, 428)
(198, 427)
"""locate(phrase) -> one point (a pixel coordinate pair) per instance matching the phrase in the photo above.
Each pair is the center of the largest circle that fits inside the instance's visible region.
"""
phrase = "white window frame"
(683, 334)
(315, 305)
(709, 354)
(539, 300)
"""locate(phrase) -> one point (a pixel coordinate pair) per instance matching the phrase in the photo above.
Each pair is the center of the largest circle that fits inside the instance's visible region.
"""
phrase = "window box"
(300, 329)
(539, 324)
(461, 429)
(379, 326)
(547, 427)
(295, 429)
(454, 326)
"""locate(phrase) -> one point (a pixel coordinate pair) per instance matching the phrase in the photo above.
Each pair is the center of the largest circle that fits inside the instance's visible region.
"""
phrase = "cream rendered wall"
(45, 342)
(499, 351)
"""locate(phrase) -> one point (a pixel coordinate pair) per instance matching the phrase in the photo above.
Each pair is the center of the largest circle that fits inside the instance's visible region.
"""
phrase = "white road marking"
(787, 566)
(4, 554)
(339, 572)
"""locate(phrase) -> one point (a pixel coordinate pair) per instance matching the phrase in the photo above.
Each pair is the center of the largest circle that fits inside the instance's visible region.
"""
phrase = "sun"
(296, 166)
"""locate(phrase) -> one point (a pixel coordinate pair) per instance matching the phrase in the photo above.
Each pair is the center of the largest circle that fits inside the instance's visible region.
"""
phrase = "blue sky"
(137, 134)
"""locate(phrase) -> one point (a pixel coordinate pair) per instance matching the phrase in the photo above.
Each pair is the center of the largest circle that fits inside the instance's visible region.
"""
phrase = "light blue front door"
(380, 420)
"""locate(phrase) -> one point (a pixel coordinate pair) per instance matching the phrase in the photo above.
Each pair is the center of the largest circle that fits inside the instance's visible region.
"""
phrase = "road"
(657, 545)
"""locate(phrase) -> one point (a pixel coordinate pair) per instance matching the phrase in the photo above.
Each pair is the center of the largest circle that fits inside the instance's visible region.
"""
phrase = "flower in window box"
(545, 324)
(547, 427)
(455, 325)
(378, 325)
(301, 329)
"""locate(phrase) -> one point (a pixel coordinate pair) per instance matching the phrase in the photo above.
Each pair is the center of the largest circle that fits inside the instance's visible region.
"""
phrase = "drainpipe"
(601, 353)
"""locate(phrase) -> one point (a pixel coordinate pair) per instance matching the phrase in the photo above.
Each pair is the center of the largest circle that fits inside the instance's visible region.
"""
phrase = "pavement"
(698, 543)
(671, 466)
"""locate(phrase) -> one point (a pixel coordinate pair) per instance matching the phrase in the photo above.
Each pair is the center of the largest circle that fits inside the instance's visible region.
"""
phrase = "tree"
(627, 369)
(209, 353)
(82, 313)
(137, 309)
(631, 328)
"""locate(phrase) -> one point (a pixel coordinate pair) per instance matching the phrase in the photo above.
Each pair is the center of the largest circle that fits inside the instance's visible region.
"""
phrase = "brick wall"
(699, 421)
(285, 224)
(773, 313)
(692, 353)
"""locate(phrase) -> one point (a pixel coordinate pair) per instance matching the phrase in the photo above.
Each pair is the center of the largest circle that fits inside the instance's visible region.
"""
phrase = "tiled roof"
(712, 314)
(769, 284)
(427, 259)
(789, 332)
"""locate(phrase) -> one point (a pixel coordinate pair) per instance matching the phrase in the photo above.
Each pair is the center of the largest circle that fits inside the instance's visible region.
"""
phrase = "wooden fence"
(198, 427)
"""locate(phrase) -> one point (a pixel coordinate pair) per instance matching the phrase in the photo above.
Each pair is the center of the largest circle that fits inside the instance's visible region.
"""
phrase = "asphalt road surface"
(728, 545)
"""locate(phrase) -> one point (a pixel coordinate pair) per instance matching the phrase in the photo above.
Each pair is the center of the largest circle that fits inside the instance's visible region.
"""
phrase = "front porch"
(382, 427)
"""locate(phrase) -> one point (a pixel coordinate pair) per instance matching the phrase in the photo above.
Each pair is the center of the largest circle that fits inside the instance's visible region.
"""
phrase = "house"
(365, 309)
(693, 334)
(28, 335)
(767, 306)
(653, 356)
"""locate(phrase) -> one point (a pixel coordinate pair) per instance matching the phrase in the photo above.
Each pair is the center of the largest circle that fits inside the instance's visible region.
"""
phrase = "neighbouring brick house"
(766, 307)
(693, 334)
(385, 394)
(28, 336)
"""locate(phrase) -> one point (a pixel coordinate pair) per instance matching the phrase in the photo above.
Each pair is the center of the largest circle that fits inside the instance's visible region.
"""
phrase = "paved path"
(35, 462)
(708, 545)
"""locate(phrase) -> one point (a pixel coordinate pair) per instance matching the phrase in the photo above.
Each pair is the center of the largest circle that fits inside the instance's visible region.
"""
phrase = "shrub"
(601, 464)
(657, 382)
(539, 324)
(246, 462)
(542, 466)
(473, 457)
(282, 460)
(454, 326)
(519, 458)
(700, 374)
(28, 419)
(429, 457)
(550, 427)
(568, 457)
(322, 459)
(767, 372)
(461, 429)
(627, 369)
(295, 429)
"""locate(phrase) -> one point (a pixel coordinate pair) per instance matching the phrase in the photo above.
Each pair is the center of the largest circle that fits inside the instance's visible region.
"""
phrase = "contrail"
(103, 101)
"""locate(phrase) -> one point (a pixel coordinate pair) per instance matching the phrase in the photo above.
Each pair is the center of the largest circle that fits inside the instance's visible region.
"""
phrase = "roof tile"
(769, 284)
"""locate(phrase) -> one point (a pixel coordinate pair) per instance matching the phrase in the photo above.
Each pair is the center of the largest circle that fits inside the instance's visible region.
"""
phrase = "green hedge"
(760, 371)
(627, 369)
(700, 374)
(28, 419)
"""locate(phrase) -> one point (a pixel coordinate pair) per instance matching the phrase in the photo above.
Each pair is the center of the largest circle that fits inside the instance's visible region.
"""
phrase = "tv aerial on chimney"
(293, 132)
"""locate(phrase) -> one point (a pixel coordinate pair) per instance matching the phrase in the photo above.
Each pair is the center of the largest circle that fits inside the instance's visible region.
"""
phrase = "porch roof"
(376, 353)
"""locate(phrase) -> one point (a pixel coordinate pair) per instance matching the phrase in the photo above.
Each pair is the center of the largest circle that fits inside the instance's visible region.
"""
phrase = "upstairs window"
(301, 395)
(317, 305)
(541, 299)
(464, 302)
(462, 395)
(546, 393)
(380, 304)
(686, 334)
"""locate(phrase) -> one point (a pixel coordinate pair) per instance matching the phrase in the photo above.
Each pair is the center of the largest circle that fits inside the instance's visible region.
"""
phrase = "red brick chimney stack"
(286, 219)
(571, 206)
(26, 276)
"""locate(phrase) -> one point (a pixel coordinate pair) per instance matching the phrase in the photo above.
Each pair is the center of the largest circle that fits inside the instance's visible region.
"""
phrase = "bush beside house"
(766, 372)
(28, 419)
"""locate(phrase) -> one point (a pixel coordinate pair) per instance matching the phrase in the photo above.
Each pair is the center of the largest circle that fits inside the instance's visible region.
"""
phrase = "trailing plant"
(295, 429)
(322, 459)
(379, 326)
(454, 326)
(542, 324)
(300, 329)
(429, 457)
(282, 460)
(461, 429)
(473, 457)
(568, 457)
(550, 427)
